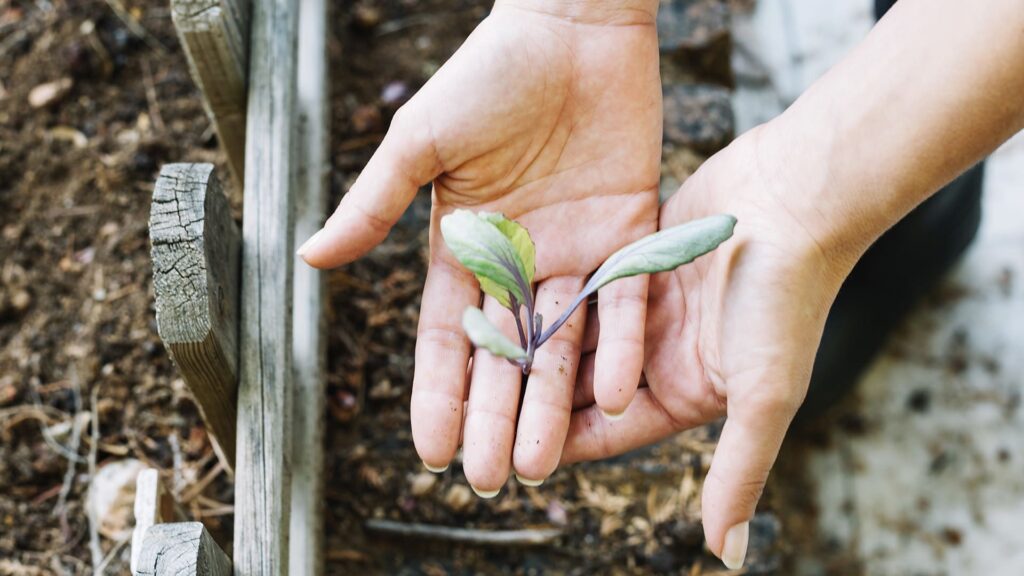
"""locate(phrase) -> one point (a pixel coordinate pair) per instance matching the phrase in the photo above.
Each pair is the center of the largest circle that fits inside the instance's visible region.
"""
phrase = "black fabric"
(894, 274)
(882, 6)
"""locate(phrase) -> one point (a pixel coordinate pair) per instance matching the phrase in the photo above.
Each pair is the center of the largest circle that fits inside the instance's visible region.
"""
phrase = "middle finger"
(547, 405)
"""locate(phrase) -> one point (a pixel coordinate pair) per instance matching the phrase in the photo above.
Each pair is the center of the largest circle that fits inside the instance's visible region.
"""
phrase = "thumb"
(746, 451)
(405, 160)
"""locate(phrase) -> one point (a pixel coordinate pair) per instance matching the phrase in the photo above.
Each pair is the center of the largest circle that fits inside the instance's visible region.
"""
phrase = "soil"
(92, 103)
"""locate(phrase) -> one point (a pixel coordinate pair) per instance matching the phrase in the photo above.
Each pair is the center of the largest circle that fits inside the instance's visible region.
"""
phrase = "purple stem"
(519, 320)
(561, 319)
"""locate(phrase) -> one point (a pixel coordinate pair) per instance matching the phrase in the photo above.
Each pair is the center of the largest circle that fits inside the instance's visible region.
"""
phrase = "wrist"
(612, 12)
(819, 181)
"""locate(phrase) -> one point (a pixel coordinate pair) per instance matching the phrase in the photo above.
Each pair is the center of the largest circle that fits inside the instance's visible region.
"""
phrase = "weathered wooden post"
(182, 549)
(195, 250)
(276, 362)
(309, 345)
(215, 35)
(263, 474)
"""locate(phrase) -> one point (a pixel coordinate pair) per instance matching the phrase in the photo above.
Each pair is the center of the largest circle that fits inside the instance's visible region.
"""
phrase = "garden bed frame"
(241, 320)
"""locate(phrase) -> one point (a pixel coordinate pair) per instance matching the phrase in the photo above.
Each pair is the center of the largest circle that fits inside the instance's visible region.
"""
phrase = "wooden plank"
(215, 35)
(309, 345)
(181, 549)
(152, 506)
(263, 471)
(196, 251)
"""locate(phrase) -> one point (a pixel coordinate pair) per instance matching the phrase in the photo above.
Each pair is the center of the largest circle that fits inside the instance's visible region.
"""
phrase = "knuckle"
(743, 493)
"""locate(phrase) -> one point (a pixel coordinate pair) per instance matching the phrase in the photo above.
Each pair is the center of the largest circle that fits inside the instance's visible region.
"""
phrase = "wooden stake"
(195, 251)
(215, 35)
(309, 345)
(264, 454)
(181, 549)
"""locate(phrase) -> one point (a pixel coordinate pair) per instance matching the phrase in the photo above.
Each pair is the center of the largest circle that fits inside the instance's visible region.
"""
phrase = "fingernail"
(528, 482)
(435, 470)
(308, 243)
(734, 551)
(614, 417)
(485, 494)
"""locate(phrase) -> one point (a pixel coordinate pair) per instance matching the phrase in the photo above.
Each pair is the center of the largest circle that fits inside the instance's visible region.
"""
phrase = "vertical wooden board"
(215, 35)
(306, 554)
(262, 490)
(148, 510)
(181, 549)
(196, 249)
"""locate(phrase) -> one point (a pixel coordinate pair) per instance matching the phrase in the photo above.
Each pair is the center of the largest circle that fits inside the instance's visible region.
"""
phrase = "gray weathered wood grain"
(215, 35)
(196, 251)
(153, 505)
(262, 479)
(181, 549)
(309, 346)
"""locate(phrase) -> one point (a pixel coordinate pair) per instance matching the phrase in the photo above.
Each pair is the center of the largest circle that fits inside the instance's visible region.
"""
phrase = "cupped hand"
(551, 114)
(733, 334)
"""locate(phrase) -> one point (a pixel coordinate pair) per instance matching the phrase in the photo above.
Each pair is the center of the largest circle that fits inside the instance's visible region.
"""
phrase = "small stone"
(21, 300)
(49, 93)
(109, 229)
(698, 116)
(694, 39)
(422, 483)
(557, 514)
(458, 498)
(394, 93)
(366, 15)
(691, 24)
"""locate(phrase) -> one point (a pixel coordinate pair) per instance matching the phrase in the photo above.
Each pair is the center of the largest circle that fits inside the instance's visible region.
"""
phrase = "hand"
(733, 334)
(551, 114)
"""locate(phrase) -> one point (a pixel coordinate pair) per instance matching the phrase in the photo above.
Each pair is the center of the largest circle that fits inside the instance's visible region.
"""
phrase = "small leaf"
(496, 250)
(520, 239)
(664, 250)
(485, 335)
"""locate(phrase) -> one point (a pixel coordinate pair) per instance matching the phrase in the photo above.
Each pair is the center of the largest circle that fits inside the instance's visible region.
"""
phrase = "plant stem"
(562, 319)
(519, 321)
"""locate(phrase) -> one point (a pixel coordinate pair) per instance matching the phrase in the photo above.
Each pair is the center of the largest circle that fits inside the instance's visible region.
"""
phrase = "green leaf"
(664, 250)
(485, 335)
(498, 251)
(520, 239)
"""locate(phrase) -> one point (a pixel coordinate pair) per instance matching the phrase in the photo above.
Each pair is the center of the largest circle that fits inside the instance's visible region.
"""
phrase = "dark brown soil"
(77, 321)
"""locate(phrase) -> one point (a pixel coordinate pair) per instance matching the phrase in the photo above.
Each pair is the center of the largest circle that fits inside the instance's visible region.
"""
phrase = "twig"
(178, 479)
(197, 488)
(76, 437)
(526, 537)
(101, 569)
(98, 562)
(134, 27)
(154, 104)
(76, 426)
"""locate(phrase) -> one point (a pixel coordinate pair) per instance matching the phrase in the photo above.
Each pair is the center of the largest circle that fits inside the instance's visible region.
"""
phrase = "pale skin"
(935, 87)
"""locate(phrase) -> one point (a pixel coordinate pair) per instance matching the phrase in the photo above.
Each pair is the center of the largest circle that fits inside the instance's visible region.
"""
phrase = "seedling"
(502, 256)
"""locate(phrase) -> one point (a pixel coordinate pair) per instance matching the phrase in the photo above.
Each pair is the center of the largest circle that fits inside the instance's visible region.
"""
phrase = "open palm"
(734, 334)
(554, 120)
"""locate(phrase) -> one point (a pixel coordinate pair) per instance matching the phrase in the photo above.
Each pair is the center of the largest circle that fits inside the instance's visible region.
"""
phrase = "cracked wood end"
(196, 250)
(181, 549)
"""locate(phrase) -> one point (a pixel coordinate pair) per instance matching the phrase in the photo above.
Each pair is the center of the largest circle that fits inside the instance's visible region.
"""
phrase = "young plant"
(500, 253)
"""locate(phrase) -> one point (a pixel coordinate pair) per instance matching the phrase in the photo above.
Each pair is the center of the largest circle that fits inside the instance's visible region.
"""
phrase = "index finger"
(442, 357)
